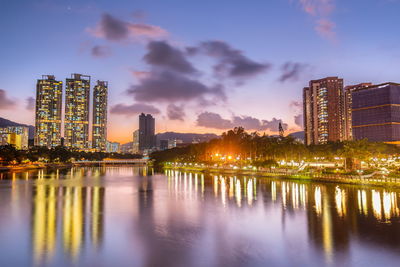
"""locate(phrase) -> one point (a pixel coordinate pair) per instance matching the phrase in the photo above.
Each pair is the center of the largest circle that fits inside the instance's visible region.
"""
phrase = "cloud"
(139, 75)
(214, 120)
(175, 112)
(230, 62)
(161, 54)
(137, 108)
(291, 71)
(298, 119)
(169, 86)
(113, 29)
(326, 29)
(321, 10)
(273, 125)
(5, 102)
(30, 103)
(297, 106)
(101, 51)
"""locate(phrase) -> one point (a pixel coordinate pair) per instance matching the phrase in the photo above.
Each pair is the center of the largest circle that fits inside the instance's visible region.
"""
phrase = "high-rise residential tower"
(348, 100)
(76, 124)
(135, 142)
(48, 112)
(147, 137)
(323, 111)
(99, 123)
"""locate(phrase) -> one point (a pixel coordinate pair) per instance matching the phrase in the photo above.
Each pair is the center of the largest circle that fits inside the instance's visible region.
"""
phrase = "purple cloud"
(137, 108)
(161, 54)
(230, 62)
(214, 120)
(291, 71)
(5, 102)
(113, 29)
(175, 112)
(100, 51)
(298, 119)
(30, 103)
(167, 86)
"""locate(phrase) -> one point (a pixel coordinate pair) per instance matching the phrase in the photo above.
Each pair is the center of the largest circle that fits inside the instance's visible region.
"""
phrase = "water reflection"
(75, 210)
(335, 213)
(132, 216)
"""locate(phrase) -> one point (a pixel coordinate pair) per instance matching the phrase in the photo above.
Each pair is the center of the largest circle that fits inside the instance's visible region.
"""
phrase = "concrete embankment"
(377, 180)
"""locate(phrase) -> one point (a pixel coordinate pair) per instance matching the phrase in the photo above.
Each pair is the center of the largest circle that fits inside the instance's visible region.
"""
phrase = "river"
(131, 216)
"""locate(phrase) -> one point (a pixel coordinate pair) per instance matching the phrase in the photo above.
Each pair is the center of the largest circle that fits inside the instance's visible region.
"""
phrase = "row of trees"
(237, 144)
(9, 155)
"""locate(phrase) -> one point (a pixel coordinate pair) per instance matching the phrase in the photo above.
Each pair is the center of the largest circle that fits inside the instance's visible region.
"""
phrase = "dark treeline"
(10, 155)
(240, 146)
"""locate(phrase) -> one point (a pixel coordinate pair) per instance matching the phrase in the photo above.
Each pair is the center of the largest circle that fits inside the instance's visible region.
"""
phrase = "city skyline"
(259, 63)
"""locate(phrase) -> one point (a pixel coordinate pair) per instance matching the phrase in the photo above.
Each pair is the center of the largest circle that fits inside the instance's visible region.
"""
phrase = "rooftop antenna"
(281, 131)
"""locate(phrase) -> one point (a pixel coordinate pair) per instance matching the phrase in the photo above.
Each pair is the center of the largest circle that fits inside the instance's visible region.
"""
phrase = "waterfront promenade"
(377, 179)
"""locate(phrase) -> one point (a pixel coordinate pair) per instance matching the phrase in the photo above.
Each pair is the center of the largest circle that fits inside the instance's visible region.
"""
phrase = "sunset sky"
(198, 66)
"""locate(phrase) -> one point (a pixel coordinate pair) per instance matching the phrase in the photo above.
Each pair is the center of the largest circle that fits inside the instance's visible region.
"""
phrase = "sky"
(197, 66)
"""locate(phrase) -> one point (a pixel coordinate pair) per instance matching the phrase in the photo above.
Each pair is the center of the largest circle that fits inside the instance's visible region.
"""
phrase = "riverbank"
(41, 165)
(377, 180)
(24, 167)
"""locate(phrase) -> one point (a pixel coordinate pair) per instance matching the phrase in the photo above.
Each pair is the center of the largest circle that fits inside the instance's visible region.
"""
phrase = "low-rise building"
(15, 135)
(112, 147)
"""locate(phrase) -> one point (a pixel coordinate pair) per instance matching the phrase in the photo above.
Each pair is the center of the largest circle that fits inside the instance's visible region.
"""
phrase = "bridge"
(112, 162)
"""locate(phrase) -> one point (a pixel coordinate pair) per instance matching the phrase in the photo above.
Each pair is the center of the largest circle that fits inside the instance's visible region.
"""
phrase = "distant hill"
(298, 135)
(186, 137)
(5, 123)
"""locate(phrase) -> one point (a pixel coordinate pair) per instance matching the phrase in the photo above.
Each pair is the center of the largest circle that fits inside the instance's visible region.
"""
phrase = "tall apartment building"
(376, 113)
(14, 135)
(135, 142)
(99, 123)
(48, 112)
(76, 124)
(323, 111)
(147, 137)
(348, 101)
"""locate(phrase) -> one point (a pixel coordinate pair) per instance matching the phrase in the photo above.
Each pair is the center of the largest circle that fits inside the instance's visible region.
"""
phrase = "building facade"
(76, 124)
(376, 113)
(48, 112)
(99, 123)
(323, 109)
(164, 144)
(348, 101)
(14, 135)
(135, 142)
(147, 137)
(112, 147)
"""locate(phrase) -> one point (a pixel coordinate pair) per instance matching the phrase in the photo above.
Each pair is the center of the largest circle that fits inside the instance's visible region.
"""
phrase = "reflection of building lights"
(283, 194)
(238, 193)
(340, 200)
(387, 205)
(216, 186)
(223, 191)
(250, 192)
(376, 204)
(318, 201)
(273, 190)
(362, 201)
(231, 187)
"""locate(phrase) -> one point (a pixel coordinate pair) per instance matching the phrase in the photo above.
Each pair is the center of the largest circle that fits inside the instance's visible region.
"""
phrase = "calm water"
(129, 216)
